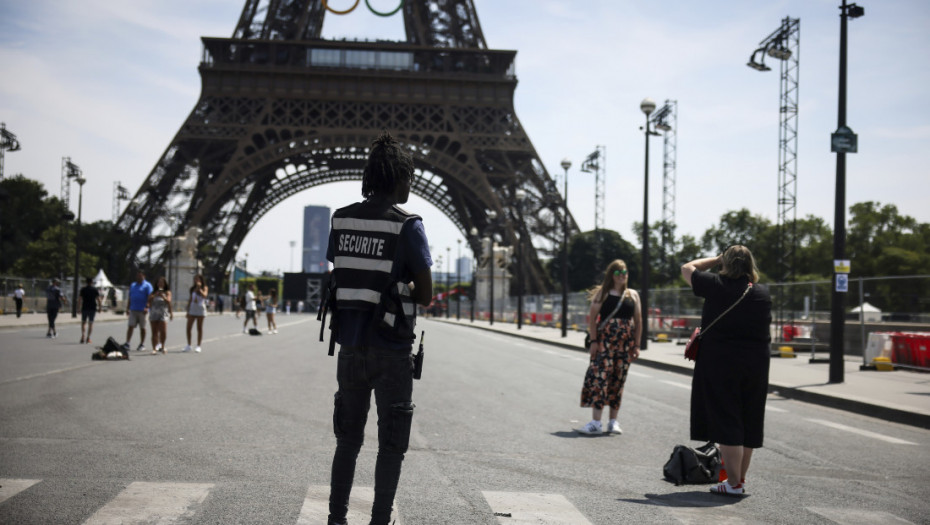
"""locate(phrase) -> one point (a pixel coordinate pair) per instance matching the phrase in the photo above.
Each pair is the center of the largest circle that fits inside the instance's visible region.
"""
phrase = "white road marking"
(12, 487)
(706, 514)
(534, 509)
(315, 509)
(638, 374)
(146, 502)
(861, 432)
(676, 383)
(770, 408)
(848, 516)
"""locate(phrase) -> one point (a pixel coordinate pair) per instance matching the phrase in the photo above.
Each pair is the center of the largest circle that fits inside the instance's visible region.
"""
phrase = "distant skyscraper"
(316, 236)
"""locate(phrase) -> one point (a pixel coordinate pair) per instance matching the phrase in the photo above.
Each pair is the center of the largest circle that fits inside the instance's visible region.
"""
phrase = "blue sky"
(109, 84)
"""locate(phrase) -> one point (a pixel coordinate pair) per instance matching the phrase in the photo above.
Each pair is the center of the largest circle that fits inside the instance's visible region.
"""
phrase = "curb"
(867, 409)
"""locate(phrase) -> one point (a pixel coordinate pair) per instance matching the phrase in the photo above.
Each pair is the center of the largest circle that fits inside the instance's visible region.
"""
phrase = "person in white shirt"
(249, 308)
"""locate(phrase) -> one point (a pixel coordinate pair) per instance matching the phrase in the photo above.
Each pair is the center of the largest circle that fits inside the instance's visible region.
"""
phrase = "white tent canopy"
(868, 312)
(101, 281)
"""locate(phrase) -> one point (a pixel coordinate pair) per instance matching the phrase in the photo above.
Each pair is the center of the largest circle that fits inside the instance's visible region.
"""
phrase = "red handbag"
(694, 344)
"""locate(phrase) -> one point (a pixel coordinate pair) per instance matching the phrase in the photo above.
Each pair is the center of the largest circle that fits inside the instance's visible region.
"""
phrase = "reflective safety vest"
(365, 242)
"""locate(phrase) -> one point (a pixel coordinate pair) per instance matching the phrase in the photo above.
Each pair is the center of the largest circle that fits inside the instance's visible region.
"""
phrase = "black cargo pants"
(390, 374)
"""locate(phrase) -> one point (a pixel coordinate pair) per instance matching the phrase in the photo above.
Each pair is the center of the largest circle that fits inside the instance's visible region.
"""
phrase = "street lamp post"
(647, 106)
(492, 216)
(448, 284)
(474, 273)
(292, 243)
(77, 246)
(843, 141)
(565, 165)
(458, 281)
(521, 197)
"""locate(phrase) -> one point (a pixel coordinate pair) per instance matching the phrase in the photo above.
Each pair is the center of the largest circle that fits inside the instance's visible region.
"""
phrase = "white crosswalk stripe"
(12, 487)
(147, 502)
(678, 384)
(848, 516)
(316, 506)
(521, 508)
(866, 433)
(164, 503)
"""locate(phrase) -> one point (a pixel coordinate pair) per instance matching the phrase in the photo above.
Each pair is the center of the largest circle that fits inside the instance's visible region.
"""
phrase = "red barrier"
(911, 348)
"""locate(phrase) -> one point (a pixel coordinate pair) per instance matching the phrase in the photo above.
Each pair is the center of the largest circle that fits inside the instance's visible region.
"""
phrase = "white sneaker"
(158, 347)
(244, 330)
(187, 348)
(613, 427)
(197, 349)
(274, 331)
(592, 428)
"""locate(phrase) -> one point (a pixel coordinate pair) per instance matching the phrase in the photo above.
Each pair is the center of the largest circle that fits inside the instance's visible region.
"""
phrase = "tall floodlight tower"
(665, 119)
(8, 142)
(120, 193)
(784, 45)
(596, 163)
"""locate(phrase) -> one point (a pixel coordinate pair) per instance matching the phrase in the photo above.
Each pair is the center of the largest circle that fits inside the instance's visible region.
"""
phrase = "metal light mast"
(8, 142)
(119, 194)
(784, 45)
(666, 120)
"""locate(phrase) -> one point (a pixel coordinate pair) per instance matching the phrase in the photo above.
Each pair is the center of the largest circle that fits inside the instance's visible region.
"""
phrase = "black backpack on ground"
(699, 465)
(109, 347)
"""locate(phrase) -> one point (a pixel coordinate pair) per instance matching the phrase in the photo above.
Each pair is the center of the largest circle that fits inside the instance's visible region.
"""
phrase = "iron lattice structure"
(282, 110)
(784, 45)
(666, 120)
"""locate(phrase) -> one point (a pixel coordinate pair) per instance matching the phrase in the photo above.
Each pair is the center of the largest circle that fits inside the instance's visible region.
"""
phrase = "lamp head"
(520, 194)
(854, 11)
(492, 215)
(566, 164)
(473, 231)
(648, 106)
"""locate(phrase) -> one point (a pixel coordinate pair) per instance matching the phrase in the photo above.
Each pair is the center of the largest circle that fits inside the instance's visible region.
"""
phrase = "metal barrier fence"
(35, 301)
(800, 311)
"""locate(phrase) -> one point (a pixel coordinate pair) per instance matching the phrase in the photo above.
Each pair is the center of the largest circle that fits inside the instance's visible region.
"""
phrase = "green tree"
(52, 255)
(589, 253)
(753, 231)
(665, 268)
(26, 211)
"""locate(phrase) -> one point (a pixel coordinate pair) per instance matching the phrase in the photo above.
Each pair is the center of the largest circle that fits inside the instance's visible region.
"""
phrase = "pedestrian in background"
(196, 311)
(18, 295)
(271, 307)
(249, 307)
(137, 306)
(90, 303)
(376, 356)
(54, 299)
(219, 304)
(615, 327)
(160, 312)
(731, 373)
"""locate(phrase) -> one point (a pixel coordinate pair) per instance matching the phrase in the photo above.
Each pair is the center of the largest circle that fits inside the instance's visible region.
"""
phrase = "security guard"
(381, 267)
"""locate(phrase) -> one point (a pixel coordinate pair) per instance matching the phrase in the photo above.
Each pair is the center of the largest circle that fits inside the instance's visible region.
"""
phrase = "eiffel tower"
(282, 110)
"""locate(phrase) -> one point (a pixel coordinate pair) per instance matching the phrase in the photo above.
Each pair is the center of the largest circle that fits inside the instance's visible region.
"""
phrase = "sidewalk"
(901, 396)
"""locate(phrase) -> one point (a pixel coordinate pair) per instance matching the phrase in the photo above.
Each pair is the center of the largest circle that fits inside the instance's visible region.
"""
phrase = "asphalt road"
(241, 433)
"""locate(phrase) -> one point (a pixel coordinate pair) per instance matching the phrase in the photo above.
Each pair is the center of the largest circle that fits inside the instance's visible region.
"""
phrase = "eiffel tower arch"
(282, 110)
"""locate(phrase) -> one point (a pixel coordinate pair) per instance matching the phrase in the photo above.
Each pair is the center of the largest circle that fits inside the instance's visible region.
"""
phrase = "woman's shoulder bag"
(694, 344)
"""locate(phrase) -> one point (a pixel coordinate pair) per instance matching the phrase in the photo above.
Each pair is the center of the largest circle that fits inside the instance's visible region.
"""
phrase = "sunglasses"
(619, 272)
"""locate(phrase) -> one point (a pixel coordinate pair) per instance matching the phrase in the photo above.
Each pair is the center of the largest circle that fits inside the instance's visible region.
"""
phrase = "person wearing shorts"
(90, 303)
(137, 307)
(160, 313)
(271, 306)
(196, 311)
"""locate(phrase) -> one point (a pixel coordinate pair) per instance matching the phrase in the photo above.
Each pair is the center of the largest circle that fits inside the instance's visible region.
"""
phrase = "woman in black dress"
(731, 374)
(615, 325)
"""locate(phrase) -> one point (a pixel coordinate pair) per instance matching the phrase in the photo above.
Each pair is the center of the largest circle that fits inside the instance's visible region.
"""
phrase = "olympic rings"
(347, 11)
(372, 9)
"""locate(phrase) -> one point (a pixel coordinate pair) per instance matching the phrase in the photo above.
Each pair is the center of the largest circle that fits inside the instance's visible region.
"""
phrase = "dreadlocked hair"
(388, 165)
